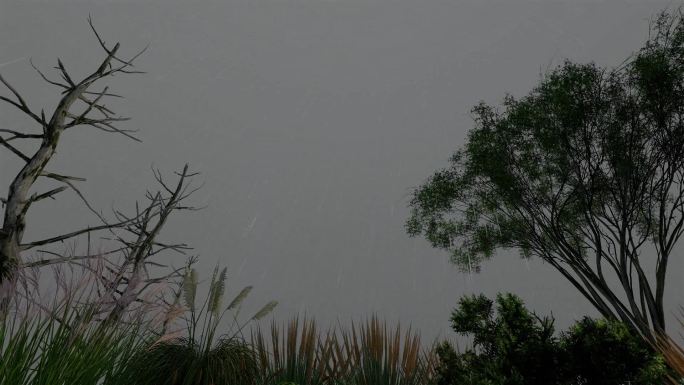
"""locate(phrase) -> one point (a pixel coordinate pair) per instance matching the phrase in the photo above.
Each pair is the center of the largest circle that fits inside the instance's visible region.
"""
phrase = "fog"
(311, 121)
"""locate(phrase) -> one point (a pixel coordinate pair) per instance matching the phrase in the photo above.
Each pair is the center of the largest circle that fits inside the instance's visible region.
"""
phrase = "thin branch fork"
(19, 199)
(144, 246)
(5, 143)
(20, 135)
(127, 279)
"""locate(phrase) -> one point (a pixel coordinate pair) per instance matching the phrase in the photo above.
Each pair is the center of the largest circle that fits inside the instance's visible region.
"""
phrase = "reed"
(673, 354)
(372, 354)
(294, 354)
(381, 356)
(196, 355)
(68, 343)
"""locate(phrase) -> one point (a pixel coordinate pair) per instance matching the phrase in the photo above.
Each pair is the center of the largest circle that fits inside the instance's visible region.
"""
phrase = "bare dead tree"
(127, 269)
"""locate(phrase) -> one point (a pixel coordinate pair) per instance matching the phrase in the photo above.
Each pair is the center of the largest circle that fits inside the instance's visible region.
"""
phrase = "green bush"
(514, 346)
(606, 352)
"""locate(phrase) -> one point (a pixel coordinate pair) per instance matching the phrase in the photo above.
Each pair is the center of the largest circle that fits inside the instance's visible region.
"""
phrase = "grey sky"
(311, 121)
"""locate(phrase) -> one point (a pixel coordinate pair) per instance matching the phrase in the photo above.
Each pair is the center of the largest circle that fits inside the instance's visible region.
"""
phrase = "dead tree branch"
(128, 272)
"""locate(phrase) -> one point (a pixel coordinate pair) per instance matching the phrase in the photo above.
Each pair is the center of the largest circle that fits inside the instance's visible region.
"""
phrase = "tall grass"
(200, 357)
(296, 355)
(78, 350)
(68, 343)
(673, 355)
(372, 354)
(72, 350)
(380, 356)
(59, 338)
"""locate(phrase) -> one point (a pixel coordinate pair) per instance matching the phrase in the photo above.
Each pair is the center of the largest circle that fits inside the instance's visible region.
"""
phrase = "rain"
(311, 122)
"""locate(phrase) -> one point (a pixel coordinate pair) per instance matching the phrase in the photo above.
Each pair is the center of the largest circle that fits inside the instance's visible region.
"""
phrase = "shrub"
(605, 352)
(514, 346)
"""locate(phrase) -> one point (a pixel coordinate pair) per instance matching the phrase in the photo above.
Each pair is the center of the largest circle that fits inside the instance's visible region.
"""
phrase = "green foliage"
(513, 347)
(65, 347)
(517, 347)
(585, 171)
(604, 352)
(182, 362)
(69, 345)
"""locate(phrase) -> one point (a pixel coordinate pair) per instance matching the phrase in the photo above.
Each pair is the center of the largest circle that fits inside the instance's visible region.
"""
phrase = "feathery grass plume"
(264, 311)
(197, 357)
(190, 288)
(217, 289)
(239, 298)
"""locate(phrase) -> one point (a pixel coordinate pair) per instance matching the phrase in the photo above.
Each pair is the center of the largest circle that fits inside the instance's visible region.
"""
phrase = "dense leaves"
(514, 346)
(603, 352)
(586, 172)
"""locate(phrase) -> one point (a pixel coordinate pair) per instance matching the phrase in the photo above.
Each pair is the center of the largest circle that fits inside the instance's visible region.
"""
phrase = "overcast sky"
(311, 122)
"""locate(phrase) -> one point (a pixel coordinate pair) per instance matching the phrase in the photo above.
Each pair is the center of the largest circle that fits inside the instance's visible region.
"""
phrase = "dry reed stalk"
(672, 353)
(362, 354)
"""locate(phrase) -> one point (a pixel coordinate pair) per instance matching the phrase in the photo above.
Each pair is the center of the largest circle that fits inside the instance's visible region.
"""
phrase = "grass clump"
(380, 356)
(198, 356)
(67, 347)
(370, 355)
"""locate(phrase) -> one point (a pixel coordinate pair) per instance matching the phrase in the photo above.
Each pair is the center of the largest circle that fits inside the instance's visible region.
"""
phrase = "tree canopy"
(585, 172)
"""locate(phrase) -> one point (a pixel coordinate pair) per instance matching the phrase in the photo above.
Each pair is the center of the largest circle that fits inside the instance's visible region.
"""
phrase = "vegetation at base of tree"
(586, 172)
(606, 352)
(673, 354)
(513, 346)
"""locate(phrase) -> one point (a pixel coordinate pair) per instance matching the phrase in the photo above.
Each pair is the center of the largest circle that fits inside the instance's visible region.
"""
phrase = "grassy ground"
(78, 351)
(68, 343)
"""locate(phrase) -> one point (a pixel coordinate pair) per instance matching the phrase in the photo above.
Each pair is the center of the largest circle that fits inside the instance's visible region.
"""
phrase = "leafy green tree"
(585, 172)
